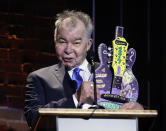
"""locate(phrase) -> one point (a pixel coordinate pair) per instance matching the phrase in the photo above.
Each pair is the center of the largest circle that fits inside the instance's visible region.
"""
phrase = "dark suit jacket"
(49, 87)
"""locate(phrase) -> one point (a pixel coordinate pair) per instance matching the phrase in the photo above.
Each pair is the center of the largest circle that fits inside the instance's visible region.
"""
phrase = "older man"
(53, 87)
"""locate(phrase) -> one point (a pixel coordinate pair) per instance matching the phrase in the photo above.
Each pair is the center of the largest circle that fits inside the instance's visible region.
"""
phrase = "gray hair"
(85, 18)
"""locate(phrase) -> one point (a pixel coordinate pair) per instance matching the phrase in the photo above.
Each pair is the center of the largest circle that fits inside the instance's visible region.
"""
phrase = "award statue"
(114, 77)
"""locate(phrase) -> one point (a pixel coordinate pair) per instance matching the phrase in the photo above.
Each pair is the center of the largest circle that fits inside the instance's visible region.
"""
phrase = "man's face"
(72, 44)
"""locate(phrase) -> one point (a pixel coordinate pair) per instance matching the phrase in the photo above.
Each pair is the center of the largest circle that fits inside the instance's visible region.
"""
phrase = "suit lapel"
(64, 78)
(68, 85)
(59, 72)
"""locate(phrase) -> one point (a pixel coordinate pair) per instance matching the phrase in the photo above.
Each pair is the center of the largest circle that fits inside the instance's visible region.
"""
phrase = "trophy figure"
(114, 77)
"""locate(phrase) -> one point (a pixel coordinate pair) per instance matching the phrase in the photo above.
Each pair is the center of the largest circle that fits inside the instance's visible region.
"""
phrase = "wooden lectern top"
(97, 112)
(47, 117)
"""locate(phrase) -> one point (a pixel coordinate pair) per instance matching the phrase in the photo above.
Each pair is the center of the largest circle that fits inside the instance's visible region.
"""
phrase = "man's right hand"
(85, 94)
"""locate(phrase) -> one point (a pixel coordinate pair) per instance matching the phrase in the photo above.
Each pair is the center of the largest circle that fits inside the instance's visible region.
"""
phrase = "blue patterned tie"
(76, 77)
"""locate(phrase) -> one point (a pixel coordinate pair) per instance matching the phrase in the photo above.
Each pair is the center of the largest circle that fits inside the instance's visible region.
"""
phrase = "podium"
(60, 119)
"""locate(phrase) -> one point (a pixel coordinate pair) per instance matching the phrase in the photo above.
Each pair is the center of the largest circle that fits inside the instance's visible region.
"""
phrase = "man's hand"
(85, 94)
(132, 106)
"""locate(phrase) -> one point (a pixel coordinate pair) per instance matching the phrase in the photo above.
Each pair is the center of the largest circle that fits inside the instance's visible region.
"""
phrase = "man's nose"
(69, 48)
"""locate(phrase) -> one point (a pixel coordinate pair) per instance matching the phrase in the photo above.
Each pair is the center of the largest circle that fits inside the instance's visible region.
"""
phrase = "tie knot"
(77, 70)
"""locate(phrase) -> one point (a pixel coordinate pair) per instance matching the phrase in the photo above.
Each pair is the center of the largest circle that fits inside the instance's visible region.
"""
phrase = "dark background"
(26, 32)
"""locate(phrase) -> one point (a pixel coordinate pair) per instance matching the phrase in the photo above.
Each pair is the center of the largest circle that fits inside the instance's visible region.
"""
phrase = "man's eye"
(77, 42)
(61, 41)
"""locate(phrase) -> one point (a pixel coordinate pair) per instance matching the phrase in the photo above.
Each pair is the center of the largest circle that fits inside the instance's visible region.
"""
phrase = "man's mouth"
(67, 59)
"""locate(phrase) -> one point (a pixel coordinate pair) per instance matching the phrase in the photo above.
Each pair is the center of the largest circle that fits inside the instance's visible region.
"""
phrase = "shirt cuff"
(75, 101)
(83, 106)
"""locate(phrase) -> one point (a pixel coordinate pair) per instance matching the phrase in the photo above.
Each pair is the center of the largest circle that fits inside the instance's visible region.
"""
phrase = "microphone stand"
(92, 58)
(93, 53)
(94, 79)
(95, 105)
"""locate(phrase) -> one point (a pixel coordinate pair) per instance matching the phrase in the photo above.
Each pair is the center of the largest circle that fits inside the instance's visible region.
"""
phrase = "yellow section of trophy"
(120, 46)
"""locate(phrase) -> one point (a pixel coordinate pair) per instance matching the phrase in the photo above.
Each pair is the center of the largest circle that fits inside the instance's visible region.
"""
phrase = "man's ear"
(89, 44)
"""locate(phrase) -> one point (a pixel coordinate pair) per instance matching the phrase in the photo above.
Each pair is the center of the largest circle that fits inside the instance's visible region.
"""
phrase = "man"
(52, 87)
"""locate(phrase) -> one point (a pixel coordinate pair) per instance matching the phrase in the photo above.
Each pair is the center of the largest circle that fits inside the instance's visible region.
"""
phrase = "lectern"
(59, 119)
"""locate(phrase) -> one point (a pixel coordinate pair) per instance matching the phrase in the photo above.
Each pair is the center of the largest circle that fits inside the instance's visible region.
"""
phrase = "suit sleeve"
(35, 99)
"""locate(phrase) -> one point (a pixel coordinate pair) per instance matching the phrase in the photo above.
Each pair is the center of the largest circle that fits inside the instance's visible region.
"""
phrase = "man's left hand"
(132, 106)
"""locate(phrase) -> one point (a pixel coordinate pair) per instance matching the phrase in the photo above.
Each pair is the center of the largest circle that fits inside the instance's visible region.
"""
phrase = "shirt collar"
(83, 66)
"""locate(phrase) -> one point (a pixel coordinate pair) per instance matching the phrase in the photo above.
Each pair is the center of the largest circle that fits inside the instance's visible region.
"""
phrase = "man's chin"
(69, 65)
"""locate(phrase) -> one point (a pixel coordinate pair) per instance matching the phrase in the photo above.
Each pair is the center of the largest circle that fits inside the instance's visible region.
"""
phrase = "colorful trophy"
(114, 76)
